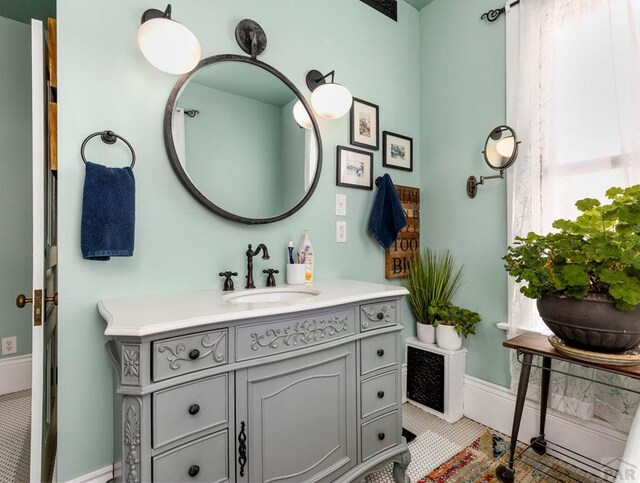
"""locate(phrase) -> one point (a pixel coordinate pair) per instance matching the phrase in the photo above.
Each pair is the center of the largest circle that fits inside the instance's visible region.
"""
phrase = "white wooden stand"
(453, 380)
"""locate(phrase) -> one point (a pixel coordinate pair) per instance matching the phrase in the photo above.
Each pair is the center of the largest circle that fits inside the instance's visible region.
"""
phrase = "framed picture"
(397, 151)
(355, 168)
(364, 130)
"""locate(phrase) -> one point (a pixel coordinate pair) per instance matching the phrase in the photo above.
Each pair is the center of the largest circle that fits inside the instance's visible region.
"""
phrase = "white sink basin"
(271, 295)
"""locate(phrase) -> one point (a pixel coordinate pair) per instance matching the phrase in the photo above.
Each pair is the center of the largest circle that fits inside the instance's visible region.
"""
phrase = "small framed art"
(364, 130)
(397, 151)
(354, 168)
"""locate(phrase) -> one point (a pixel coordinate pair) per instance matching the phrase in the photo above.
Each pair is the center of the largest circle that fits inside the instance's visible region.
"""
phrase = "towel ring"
(108, 137)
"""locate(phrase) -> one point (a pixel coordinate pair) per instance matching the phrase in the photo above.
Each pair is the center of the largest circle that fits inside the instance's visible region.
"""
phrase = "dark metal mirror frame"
(184, 177)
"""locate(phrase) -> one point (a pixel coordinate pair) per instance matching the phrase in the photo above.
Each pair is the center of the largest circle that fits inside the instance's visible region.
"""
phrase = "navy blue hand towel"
(108, 212)
(387, 216)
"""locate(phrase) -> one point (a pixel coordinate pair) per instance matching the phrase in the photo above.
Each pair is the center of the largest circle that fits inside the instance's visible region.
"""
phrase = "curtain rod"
(492, 15)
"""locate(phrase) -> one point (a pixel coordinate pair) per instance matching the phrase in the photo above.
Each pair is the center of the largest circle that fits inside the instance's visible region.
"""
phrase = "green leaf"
(587, 204)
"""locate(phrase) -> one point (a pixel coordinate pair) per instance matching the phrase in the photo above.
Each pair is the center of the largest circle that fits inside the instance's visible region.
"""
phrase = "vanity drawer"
(203, 460)
(284, 335)
(374, 316)
(379, 434)
(378, 352)
(379, 393)
(181, 355)
(189, 408)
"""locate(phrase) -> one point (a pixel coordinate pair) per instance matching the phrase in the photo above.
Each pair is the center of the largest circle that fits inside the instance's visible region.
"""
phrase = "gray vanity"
(280, 384)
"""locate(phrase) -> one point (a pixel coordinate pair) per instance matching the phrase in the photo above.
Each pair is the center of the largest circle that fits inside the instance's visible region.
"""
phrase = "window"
(573, 96)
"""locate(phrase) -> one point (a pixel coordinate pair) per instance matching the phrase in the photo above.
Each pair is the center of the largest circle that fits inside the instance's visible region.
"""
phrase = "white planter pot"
(448, 338)
(426, 333)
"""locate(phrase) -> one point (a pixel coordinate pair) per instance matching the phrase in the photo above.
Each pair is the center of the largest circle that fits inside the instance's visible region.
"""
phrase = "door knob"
(22, 300)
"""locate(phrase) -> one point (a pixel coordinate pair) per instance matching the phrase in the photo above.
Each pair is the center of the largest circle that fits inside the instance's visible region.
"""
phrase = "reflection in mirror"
(236, 137)
(500, 149)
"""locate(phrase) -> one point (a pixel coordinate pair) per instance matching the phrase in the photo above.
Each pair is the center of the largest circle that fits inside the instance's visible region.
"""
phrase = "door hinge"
(37, 308)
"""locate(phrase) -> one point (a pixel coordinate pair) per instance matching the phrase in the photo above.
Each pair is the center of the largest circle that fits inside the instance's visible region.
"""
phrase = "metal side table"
(530, 345)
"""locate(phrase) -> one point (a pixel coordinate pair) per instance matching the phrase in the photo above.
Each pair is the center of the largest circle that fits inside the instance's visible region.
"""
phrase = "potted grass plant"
(452, 323)
(432, 276)
(586, 275)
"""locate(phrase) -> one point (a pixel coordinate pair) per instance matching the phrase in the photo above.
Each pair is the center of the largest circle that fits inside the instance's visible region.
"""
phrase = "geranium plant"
(597, 253)
(445, 313)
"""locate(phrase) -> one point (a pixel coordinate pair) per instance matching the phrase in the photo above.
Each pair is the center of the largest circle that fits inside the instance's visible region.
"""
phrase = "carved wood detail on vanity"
(305, 332)
(131, 437)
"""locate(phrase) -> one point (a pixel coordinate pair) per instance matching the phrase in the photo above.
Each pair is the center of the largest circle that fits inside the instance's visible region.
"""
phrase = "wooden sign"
(398, 256)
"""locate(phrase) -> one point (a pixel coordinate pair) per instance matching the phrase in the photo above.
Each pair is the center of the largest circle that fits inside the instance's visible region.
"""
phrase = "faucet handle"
(228, 282)
(271, 280)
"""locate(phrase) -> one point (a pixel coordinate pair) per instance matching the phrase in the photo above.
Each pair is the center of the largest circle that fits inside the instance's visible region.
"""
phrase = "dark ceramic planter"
(592, 323)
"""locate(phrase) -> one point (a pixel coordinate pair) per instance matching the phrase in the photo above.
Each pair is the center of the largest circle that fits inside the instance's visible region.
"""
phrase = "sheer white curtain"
(573, 96)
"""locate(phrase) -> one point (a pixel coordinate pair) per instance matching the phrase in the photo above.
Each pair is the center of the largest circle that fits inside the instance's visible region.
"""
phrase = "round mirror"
(501, 148)
(234, 142)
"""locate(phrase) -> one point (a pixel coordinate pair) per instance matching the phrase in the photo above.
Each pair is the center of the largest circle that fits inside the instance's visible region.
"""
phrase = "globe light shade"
(331, 101)
(301, 116)
(506, 146)
(169, 45)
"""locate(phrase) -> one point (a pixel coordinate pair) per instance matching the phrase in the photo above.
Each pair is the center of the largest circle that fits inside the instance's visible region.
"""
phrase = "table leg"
(539, 444)
(506, 473)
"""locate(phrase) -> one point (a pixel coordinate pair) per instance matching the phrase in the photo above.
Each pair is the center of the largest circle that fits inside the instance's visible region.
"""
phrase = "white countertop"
(153, 314)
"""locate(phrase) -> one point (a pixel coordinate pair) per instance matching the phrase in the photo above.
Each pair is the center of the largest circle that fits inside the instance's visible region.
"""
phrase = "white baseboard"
(98, 476)
(15, 374)
(494, 406)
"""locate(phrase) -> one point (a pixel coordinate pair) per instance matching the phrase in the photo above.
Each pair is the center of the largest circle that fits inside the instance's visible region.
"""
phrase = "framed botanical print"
(364, 130)
(354, 168)
(397, 151)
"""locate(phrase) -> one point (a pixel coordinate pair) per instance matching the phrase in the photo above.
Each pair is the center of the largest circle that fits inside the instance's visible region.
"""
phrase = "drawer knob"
(380, 316)
(194, 470)
(380, 436)
(194, 409)
(194, 354)
(380, 352)
(380, 394)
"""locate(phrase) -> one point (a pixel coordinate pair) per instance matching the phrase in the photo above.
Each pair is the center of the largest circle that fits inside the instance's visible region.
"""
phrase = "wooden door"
(297, 417)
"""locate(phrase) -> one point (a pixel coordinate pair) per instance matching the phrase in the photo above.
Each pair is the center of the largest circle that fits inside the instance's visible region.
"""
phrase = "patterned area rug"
(15, 436)
(478, 463)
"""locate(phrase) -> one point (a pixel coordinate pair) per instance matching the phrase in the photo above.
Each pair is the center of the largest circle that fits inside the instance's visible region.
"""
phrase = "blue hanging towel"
(108, 212)
(387, 216)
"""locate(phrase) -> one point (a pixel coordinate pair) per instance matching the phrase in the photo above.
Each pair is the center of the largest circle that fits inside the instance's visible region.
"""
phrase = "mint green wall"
(293, 157)
(234, 138)
(105, 83)
(15, 181)
(462, 82)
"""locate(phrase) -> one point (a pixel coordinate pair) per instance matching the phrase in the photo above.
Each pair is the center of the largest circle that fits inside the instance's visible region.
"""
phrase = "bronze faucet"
(250, 254)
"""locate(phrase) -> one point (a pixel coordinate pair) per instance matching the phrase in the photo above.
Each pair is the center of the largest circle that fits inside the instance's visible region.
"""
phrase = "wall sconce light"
(328, 99)
(302, 116)
(167, 44)
(500, 152)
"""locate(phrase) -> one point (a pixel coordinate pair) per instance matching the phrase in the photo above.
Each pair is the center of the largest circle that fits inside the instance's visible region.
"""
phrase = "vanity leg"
(400, 468)
(134, 470)
(506, 474)
(539, 444)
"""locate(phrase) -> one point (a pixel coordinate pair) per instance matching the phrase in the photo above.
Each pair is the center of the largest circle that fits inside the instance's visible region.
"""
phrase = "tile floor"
(437, 441)
(15, 421)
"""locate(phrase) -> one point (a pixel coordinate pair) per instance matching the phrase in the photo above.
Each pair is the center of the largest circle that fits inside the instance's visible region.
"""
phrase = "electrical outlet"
(9, 345)
(341, 232)
(341, 205)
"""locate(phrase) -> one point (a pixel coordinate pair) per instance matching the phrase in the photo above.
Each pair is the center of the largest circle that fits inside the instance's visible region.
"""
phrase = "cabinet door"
(297, 417)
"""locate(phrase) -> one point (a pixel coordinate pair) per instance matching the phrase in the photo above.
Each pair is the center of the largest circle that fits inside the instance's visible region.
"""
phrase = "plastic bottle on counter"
(309, 257)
